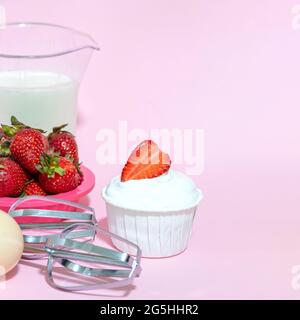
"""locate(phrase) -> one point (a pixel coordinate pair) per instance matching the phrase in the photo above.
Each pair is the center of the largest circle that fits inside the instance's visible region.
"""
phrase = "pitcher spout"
(45, 40)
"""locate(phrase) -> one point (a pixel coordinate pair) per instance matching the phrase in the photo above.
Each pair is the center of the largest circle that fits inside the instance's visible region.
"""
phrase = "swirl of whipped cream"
(172, 191)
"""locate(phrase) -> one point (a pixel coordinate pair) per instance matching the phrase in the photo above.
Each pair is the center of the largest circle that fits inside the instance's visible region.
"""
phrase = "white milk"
(40, 99)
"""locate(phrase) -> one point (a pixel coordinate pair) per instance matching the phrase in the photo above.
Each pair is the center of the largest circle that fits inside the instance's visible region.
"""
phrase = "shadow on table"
(79, 280)
(61, 273)
(11, 274)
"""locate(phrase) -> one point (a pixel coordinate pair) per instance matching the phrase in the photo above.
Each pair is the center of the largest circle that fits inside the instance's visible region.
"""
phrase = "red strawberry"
(26, 144)
(146, 161)
(12, 178)
(33, 188)
(58, 174)
(64, 143)
(27, 147)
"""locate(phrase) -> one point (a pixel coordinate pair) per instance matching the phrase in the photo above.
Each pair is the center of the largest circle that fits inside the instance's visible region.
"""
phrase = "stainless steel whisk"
(67, 242)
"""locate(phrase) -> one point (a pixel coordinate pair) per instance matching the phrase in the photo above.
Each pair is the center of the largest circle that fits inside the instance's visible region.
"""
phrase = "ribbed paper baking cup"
(158, 234)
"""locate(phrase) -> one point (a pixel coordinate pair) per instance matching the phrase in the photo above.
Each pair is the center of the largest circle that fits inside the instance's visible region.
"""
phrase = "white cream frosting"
(169, 192)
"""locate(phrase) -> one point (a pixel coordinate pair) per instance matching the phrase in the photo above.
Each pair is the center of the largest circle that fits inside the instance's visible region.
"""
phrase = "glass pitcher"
(41, 67)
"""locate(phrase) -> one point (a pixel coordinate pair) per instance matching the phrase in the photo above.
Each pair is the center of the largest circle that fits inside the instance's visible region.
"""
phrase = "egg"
(11, 243)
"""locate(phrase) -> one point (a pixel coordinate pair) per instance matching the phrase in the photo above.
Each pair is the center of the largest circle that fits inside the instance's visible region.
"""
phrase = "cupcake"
(150, 204)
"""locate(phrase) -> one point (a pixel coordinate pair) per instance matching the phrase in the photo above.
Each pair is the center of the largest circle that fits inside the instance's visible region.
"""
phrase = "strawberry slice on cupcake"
(145, 162)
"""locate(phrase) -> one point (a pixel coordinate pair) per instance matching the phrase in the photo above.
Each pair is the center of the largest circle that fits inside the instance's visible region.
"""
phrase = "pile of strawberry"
(32, 163)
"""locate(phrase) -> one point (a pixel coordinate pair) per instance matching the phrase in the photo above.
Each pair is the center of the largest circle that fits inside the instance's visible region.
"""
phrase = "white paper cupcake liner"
(158, 234)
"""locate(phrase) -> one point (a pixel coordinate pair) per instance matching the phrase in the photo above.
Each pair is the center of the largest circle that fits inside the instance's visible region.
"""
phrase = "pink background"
(230, 67)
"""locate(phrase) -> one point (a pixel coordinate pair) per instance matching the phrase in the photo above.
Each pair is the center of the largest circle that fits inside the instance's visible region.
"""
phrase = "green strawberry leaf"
(8, 130)
(19, 125)
(60, 171)
(4, 149)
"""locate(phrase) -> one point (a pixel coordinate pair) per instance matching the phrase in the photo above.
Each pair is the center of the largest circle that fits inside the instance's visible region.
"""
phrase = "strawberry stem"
(15, 122)
(49, 164)
(59, 128)
(19, 125)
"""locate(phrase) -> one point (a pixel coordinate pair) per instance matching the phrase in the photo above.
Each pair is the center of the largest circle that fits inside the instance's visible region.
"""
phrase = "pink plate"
(85, 188)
